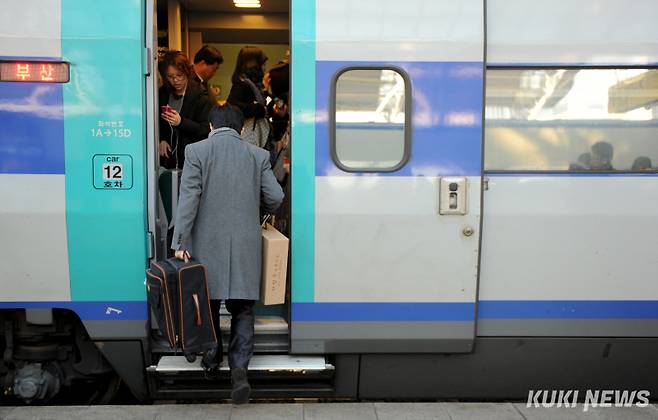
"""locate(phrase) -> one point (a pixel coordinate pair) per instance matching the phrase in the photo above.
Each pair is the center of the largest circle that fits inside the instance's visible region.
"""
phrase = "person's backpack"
(256, 131)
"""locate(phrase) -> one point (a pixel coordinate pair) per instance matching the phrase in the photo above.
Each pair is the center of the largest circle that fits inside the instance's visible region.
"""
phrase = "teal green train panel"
(104, 118)
(303, 165)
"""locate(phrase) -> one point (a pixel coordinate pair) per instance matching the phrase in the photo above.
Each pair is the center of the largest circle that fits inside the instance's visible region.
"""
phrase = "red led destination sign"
(34, 71)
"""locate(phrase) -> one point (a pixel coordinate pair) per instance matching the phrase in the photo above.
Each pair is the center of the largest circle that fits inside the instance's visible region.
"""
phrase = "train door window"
(371, 119)
(571, 120)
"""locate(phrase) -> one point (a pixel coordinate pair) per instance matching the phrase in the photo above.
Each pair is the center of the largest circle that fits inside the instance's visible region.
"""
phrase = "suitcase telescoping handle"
(198, 309)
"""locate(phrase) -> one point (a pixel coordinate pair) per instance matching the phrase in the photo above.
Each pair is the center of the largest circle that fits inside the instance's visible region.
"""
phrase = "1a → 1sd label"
(113, 172)
(114, 129)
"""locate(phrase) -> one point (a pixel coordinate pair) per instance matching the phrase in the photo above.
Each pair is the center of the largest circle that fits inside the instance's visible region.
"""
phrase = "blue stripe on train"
(91, 311)
(32, 117)
(453, 311)
(394, 311)
(383, 311)
(568, 309)
(446, 136)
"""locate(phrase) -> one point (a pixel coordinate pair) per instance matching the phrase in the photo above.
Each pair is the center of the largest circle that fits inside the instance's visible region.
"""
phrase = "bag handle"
(195, 297)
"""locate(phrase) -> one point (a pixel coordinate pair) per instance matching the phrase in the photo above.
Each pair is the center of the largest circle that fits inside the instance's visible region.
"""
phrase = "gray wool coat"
(224, 184)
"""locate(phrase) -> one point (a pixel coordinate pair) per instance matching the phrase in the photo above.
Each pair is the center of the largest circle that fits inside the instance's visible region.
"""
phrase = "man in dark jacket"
(206, 64)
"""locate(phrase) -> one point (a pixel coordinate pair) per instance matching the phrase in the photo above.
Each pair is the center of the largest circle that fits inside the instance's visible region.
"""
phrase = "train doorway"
(226, 27)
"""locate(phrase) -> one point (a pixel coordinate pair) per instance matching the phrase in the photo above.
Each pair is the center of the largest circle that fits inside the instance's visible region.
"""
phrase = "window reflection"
(572, 119)
(370, 96)
(370, 119)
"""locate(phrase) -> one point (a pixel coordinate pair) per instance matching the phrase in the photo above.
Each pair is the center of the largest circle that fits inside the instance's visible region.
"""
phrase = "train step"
(270, 376)
(264, 324)
(258, 363)
(271, 335)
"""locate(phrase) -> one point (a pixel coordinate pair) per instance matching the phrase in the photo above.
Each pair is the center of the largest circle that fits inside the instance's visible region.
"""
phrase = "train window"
(571, 120)
(371, 119)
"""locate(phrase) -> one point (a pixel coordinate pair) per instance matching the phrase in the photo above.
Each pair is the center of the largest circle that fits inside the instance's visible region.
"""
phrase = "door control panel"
(452, 195)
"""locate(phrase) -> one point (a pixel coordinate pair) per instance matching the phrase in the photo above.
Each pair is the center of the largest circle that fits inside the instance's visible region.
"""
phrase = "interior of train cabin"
(228, 25)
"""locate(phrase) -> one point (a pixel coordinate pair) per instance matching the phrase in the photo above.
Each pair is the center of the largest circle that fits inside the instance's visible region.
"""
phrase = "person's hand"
(280, 108)
(172, 117)
(165, 149)
(183, 255)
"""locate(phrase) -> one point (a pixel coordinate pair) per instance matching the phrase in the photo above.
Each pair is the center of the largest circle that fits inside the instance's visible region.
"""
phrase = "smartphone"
(165, 108)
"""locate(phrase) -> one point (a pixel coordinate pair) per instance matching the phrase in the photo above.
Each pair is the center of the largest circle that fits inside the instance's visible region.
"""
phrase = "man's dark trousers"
(241, 344)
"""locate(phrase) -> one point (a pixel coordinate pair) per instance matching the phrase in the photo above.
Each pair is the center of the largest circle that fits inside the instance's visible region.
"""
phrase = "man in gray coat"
(225, 184)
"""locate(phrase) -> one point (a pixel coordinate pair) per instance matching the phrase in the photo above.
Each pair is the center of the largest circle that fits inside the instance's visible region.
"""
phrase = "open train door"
(387, 102)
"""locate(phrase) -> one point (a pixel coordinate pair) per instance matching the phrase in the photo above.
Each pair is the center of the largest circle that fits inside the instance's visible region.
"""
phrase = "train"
(473, 203)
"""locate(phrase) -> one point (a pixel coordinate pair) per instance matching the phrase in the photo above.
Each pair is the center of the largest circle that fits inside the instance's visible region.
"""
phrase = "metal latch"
(453, 195)
(147, 61)
(150, 240)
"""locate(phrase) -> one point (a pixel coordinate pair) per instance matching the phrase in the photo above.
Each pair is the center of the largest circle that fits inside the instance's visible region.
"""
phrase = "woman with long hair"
(248, 95)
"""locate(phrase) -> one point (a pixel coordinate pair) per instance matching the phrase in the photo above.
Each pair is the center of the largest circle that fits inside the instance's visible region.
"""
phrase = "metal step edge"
(258, 394)
(173, 364)
(266, 395)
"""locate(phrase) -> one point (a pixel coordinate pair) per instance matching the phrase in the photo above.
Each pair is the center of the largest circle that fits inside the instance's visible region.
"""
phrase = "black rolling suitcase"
(178, 295)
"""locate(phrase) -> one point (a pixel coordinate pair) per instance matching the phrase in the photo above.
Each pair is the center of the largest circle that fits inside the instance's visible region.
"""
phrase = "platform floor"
(326, 411)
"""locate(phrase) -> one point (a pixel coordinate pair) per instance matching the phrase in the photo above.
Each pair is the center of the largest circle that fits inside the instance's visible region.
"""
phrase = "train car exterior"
(79, 237)
(473, 195)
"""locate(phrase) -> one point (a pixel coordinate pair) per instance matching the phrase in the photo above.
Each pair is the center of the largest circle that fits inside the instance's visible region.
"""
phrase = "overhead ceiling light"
(253, 4)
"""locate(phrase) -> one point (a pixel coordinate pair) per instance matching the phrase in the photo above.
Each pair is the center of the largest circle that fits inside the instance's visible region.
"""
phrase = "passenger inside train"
(184, 108)
(235, 71)
(206, 63)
